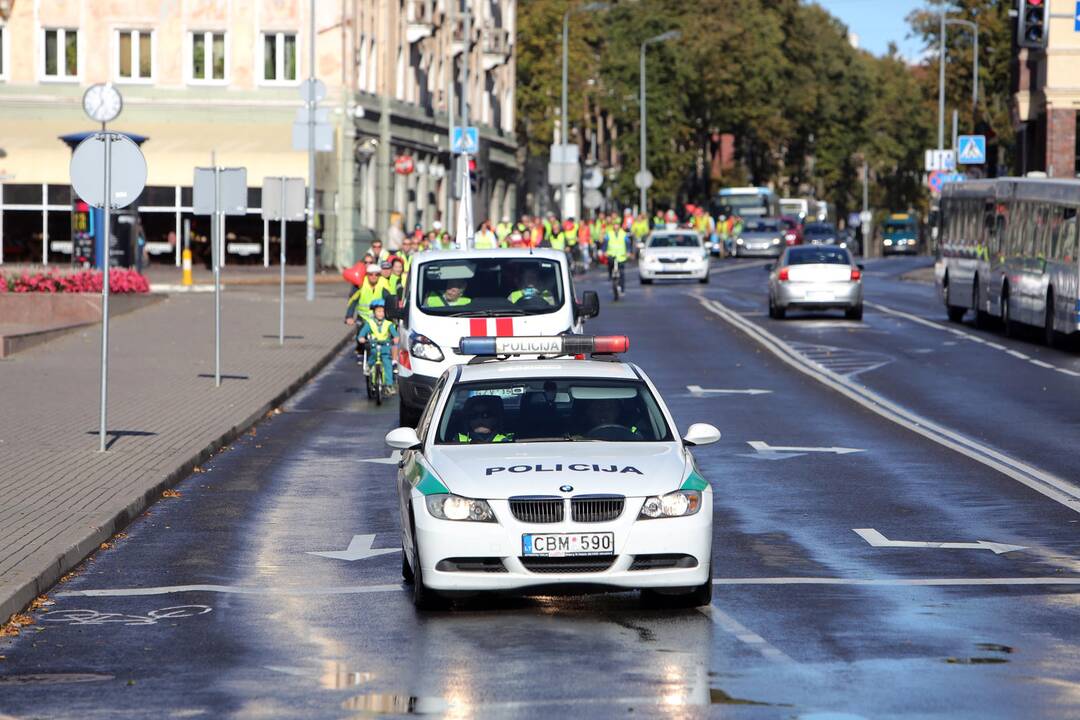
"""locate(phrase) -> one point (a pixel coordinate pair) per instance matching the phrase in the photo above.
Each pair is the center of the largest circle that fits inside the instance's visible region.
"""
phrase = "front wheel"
(377, 382)
(645, 281)
(704, 280)
(698, 596)
(854, 313)
(1012, 328)
(1049, 334)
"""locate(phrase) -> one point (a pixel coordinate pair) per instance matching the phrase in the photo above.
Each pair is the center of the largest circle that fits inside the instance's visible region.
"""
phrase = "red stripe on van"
(504, 326)
(477, 327)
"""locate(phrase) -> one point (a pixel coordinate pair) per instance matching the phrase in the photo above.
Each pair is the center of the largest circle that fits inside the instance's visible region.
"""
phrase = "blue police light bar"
(549, 345)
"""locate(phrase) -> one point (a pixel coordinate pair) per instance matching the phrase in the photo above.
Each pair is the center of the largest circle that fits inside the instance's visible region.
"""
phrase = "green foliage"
(806, 108)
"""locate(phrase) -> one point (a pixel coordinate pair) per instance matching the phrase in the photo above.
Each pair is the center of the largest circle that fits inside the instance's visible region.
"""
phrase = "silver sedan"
(815, 277)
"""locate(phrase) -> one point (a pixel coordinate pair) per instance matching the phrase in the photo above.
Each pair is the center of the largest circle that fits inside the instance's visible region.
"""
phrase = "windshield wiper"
(562, 438)
(487, 313)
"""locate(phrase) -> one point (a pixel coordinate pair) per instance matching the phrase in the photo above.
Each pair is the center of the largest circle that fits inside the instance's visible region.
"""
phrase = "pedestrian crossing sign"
(972, 149)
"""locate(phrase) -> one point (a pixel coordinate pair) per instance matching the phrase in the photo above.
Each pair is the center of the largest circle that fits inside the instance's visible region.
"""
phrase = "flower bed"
(82, 281)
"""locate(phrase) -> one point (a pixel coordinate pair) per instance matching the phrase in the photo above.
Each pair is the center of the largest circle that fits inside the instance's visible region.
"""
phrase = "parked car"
(815, 277)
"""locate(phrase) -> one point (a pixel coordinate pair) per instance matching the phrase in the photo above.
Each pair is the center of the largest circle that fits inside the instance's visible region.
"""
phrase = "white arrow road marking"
(764, 451)
(876, 539)
(394, 459)
(359, 549)
(699, 391)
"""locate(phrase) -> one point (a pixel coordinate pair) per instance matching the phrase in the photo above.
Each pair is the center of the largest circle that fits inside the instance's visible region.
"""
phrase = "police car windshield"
(482, 287)
(551, 410)
(683, 240)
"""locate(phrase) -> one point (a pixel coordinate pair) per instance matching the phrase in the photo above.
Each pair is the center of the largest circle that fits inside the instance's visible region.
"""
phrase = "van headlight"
(447, 506)
(422, 347)
(676, 504)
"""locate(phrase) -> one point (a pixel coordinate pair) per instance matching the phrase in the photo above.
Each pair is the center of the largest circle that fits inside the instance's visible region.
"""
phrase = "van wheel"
(407, 416)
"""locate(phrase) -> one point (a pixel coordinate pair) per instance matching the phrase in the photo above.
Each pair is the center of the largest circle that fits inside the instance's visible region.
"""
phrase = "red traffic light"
(472, 165)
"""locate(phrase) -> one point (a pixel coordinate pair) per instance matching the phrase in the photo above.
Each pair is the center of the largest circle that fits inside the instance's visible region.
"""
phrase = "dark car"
(820, 233)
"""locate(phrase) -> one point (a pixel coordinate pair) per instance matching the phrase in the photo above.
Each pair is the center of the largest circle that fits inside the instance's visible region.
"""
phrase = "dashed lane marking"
(973, 338)
(1063, 580)
(1039, 480)
(744, 634)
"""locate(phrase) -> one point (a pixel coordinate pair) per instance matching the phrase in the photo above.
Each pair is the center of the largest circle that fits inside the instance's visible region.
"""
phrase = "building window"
(209, 62)
(61, 55)
(279, 57)
(135, 55)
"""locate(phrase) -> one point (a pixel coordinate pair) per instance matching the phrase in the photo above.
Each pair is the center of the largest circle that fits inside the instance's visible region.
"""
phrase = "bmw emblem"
(567, 488)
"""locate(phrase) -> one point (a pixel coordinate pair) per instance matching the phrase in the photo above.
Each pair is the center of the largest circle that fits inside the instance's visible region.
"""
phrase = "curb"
(28, 588)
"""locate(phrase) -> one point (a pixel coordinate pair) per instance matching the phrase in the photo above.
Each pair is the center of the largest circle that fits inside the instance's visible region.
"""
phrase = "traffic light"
(473, 180)
(1031, 24)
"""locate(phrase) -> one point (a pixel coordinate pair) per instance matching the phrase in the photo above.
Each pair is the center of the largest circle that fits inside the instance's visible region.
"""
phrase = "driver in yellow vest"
(530, 288)
(484, 421)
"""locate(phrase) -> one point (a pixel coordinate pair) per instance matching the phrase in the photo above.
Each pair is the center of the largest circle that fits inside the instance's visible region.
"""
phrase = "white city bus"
(1007, 248)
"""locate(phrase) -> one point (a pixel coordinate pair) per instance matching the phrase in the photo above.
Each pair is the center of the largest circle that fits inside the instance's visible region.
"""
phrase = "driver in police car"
(484, 419)
(530, 288)
(605, 412)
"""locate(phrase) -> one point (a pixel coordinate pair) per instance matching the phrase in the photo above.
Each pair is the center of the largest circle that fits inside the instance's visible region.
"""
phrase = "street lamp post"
(669, 35)
(941, 71)
(974, 27)
(587, 7)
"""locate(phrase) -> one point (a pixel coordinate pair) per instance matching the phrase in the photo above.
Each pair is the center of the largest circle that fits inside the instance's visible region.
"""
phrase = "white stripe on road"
(398, 588)
(744, 634)
(1035, 478)
(970, 336)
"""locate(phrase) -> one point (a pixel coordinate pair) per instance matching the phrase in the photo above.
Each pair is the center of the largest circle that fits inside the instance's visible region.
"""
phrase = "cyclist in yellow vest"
(383, 337)
(484, 421)
(617, 252)
(452, 296)
(371, 289)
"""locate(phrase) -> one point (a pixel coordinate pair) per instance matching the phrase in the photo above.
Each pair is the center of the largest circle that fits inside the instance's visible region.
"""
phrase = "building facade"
(222, 79)
(1047, 96)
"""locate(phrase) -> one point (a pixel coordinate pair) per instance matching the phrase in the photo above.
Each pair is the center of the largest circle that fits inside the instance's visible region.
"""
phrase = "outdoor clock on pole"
(102, 102)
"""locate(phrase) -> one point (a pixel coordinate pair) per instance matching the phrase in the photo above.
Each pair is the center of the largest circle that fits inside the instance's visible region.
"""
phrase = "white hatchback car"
(548, 475)
(672, 255)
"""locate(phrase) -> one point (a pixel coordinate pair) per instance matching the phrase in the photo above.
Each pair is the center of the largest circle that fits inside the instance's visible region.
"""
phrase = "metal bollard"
(186, 260)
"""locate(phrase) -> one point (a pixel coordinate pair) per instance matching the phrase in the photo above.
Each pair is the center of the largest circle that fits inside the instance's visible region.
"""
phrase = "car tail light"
(855, 273)
(790, 238)
(782, 276)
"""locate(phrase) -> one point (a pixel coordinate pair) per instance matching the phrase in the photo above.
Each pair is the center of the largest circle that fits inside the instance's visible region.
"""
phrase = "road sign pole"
(941, 84)
(215, 249)
(107, 138)
(309, 292)
(281, 262)
(644, 198)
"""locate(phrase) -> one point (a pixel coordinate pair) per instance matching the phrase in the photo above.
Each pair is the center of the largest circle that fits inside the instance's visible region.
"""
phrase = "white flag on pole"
(465, 225)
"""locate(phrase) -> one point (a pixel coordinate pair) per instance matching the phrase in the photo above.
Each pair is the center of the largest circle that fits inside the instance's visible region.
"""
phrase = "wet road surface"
(213, 606)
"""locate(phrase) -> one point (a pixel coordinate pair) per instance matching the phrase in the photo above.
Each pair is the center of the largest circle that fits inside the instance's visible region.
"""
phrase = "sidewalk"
(59, 497)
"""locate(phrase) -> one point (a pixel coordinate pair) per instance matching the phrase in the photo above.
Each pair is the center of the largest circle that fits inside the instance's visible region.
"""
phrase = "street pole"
(564, 121)
(643, 141)
(955, 128)
(281, 263)
(974, 27)
(106, 230)
(309, 293)
(215, 250)
(941, 84)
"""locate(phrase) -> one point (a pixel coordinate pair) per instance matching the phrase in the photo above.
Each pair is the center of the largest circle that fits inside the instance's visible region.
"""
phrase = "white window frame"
(5, 52)
(189, 57)
(279, 65)
(140, 32)
(61, 63)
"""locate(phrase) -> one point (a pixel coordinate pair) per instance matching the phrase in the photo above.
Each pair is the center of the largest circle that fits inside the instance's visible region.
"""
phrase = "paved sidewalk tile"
(60, 497)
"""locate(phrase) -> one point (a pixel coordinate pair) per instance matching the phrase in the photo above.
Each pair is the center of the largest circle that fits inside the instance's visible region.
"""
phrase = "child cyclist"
(383, 337)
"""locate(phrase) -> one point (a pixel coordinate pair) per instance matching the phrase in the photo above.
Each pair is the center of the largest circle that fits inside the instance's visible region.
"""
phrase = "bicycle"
(377, 389)
(618, 284)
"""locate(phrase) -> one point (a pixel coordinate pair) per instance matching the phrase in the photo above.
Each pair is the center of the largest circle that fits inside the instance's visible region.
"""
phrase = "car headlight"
(423, 348)
(676, 504)
(738, 241)
(887, 242)
(776, 241)
(447, 506)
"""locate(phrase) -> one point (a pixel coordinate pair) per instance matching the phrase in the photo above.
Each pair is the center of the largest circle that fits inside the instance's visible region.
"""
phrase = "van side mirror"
(589, 307)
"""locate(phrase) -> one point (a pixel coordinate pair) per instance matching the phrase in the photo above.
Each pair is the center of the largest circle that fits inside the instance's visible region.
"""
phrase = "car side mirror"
(701, 434)
(589, 307)
(403, 438)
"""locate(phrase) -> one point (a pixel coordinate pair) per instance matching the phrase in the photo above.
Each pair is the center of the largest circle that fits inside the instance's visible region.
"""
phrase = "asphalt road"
(809, 619)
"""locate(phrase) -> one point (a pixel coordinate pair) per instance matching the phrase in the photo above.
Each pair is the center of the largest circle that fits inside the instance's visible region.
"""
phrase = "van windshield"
(483, 287)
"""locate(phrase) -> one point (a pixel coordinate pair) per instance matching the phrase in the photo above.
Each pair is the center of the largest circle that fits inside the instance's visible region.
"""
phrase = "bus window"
(1067, 240)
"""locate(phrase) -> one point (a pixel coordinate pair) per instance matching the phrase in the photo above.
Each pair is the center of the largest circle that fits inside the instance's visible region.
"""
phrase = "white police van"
(552, 474)
(457, 293)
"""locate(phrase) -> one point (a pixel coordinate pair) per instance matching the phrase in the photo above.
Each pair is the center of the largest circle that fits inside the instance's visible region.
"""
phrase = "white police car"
(550, 474)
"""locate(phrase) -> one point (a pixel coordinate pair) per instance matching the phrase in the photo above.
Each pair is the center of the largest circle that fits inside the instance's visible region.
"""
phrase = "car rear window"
(817, 255)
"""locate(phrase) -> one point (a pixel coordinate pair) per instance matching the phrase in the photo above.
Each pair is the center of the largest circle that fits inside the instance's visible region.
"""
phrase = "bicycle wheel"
(377, 381)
